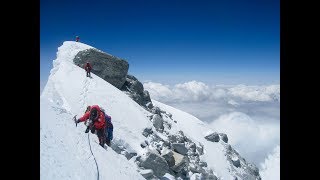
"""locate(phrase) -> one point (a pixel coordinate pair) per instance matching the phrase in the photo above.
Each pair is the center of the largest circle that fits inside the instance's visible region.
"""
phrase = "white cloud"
(232, 102)
(191, 91)
(249, 115)
(256, 93)
(158, 91)
(218, 93)
(271, 167)
(252, 138)
(194, 91)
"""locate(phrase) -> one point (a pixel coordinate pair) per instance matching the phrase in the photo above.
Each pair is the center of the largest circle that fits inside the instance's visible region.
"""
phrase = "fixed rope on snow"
(93, 157)
(74, 118)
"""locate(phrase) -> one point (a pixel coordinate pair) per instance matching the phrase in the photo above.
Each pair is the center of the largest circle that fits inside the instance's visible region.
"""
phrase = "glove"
(77, 121)
(87, 130)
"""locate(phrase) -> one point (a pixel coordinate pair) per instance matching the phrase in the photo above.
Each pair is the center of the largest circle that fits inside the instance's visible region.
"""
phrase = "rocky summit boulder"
(110, 68)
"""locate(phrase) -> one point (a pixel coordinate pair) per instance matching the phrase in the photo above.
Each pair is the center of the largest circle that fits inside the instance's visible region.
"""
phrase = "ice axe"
(75, 119)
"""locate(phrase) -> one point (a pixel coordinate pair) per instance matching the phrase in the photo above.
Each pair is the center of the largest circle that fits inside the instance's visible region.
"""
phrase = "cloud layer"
(194, 91)
(249, 115)
(252, 138)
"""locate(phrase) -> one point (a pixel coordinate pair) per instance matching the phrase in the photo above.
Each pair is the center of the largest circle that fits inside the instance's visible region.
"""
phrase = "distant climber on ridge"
(88, 68)
(77, 39)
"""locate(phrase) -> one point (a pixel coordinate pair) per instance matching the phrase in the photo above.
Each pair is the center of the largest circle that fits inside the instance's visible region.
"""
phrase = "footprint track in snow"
(84, 93)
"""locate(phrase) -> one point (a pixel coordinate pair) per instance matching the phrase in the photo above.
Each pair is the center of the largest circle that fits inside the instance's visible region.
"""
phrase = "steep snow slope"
(65, 150)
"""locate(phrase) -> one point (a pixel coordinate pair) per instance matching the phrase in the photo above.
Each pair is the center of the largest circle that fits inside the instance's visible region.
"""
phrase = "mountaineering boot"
(108, 142)
(87, 130)
(101, 141)
(93, 129)
(102, 145)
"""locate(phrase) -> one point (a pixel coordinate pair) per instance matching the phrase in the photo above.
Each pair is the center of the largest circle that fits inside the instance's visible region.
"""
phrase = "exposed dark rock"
(136, 91)
(213, 137)
(155, 162)
(147, 131)
(224, 137)
(110, 68)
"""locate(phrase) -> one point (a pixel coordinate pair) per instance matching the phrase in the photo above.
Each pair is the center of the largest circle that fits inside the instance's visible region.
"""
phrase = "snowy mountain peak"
(149, 141)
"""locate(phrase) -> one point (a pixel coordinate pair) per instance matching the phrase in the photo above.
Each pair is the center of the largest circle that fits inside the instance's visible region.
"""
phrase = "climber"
(88, 68)
(97, 118)
(77, 39)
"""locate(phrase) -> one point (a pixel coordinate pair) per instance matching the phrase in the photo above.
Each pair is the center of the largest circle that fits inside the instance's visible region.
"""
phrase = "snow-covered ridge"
(65, 150)
(67, 52)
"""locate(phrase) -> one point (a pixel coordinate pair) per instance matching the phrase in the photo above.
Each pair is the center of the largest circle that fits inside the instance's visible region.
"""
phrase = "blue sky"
(172, 41)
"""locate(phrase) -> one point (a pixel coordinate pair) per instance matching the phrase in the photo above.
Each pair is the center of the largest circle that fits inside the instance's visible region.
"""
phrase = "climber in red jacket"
(97, 119)
(88, 68)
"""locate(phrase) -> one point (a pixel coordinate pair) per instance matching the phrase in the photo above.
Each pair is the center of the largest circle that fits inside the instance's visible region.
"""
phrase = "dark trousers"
(88, 74)
(101, 133)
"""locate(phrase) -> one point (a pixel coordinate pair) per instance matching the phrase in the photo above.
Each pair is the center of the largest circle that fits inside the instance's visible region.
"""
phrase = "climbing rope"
(93, 157)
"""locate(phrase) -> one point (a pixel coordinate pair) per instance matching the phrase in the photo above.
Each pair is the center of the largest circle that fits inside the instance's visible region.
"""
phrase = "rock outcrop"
(134, 88)
(110, 68)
